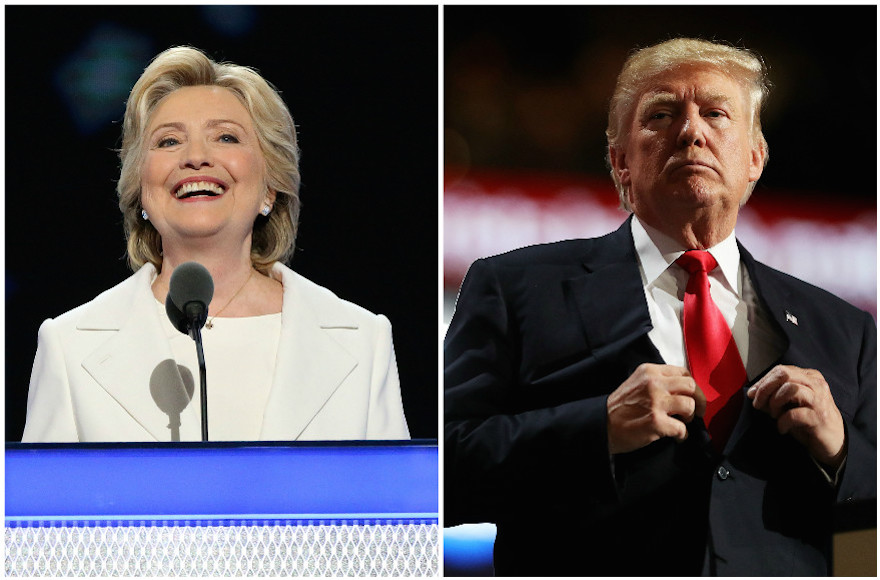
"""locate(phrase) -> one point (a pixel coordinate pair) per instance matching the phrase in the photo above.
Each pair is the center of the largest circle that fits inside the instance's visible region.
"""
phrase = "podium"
(215, 509)
(855, 539)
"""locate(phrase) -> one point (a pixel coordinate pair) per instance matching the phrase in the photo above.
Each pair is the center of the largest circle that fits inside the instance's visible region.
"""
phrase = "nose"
(691, 133)
(195, 155)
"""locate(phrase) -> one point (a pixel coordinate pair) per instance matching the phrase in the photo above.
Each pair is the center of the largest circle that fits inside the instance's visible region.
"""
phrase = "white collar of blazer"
(310, 365)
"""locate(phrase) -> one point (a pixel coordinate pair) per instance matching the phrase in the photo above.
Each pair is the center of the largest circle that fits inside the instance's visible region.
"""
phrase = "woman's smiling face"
(203, 173)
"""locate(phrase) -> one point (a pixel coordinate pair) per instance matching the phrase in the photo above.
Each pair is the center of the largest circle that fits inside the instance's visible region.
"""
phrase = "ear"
(617, 158)
(757, 159)
(270, 196)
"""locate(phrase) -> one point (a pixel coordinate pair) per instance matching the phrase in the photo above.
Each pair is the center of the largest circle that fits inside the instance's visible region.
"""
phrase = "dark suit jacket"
(543, 334)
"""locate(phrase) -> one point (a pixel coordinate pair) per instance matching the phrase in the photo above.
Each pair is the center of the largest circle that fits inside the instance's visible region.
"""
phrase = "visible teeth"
(194, 186)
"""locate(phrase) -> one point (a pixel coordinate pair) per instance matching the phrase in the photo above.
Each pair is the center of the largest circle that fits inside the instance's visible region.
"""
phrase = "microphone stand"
(196, 314)
(203, 380)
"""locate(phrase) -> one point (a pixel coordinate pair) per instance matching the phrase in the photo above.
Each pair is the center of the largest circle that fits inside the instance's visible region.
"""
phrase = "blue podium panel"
(222, 509)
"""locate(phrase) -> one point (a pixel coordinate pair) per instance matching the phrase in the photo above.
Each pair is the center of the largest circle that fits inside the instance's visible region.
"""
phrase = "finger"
(761, 391)
(779, 373)
(789, 396)
(681, 386)
(768, 376)
(786, 373)
(660, 387)
(667, 426)
(680, 406)
(668, 370)
(814, 380)
(796, 418)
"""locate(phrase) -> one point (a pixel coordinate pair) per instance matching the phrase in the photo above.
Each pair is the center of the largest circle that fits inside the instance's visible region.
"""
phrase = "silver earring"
(144, 215)
(267, 209)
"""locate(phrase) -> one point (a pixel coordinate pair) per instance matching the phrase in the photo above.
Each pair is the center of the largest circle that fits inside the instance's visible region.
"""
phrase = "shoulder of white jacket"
(110, 309)
(329, 310)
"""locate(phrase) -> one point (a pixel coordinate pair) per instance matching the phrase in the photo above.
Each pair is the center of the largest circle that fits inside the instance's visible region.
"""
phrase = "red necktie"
(711, 351)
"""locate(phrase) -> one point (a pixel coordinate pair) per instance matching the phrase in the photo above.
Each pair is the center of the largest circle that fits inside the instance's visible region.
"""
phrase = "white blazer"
(335, 376)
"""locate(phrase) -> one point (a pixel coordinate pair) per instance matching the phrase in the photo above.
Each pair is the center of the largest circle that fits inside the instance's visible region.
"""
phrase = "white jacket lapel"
(137, 354)
(310, 365)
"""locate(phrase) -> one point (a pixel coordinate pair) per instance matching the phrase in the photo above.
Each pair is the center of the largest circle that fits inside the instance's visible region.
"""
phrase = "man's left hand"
(801, 402)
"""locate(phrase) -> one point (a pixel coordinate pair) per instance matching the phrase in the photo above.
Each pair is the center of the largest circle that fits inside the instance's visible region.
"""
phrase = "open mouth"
(199, 189)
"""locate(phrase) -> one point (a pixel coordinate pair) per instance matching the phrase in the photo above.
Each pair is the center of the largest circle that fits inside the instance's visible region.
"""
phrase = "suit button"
(723, 473)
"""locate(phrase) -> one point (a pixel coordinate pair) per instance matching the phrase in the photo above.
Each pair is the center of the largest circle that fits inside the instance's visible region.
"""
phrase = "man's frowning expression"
(690, 144)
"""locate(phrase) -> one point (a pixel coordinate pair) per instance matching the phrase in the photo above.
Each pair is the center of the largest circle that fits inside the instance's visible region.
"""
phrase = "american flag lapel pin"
(789, 317)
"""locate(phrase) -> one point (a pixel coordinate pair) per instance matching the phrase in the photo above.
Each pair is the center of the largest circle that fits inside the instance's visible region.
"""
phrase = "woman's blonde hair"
(742, 65)
(274, 236)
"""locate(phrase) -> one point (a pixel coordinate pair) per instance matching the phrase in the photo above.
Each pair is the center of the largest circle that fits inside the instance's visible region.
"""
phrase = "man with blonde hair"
(655, 401)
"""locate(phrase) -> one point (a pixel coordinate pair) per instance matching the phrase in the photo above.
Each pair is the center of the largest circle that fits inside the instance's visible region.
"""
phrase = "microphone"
(189, 293)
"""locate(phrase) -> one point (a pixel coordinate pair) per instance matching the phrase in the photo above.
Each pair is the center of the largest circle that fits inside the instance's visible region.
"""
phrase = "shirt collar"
(657, 251)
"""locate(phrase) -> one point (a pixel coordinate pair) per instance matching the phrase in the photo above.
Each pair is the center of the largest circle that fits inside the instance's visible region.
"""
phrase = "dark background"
(361, 83)
(527, 87)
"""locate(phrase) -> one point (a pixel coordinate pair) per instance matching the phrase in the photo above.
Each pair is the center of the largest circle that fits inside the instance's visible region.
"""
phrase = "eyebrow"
(666, 98)
(210, 124)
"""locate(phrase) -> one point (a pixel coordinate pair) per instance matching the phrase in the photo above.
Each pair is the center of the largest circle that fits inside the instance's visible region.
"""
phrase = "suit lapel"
(610, 301)
(311, 364)
(777, 303)
(785, 316)
(137, 356)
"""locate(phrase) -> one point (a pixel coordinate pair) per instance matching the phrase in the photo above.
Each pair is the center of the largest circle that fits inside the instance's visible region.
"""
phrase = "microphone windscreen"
(176, 316)
(191, 282)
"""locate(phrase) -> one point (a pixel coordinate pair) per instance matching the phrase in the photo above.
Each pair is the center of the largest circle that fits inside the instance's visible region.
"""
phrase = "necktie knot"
(697, 261)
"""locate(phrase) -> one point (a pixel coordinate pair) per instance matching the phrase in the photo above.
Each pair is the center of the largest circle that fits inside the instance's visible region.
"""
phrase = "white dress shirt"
(731, 288)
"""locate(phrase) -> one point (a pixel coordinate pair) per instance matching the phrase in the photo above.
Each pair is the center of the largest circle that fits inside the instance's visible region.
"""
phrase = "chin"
(200, 228)
(697, 193)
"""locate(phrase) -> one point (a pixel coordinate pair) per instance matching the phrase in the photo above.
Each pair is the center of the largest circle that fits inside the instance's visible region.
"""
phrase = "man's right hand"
(655, 401)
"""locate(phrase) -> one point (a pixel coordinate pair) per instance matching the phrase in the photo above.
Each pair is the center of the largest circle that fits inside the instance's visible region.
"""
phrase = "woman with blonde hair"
(209, 174)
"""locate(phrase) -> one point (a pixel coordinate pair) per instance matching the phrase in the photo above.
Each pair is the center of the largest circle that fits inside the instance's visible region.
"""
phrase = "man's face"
(690, 146)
